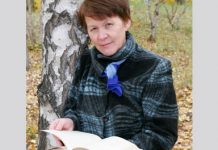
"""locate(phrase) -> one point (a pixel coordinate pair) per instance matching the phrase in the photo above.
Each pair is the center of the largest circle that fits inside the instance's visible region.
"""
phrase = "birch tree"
(153, 15)
(174, 15)
(62, 42)
(29, 6)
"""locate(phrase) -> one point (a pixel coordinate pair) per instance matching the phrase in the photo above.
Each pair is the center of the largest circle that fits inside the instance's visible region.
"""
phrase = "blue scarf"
(117, 59)
(112, 78)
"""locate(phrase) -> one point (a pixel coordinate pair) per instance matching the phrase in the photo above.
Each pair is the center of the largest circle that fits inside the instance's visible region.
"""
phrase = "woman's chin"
(108, 53)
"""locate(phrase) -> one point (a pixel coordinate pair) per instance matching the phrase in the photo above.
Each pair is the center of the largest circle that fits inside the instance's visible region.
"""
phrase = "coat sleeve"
(160, 111)
(70, 106)
(71, 103)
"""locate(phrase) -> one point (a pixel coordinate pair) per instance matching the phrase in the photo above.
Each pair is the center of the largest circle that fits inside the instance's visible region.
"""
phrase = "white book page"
(114, 143)
(75, 139)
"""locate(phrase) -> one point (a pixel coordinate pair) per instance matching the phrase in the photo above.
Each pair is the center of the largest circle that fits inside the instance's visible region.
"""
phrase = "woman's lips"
(105, 45)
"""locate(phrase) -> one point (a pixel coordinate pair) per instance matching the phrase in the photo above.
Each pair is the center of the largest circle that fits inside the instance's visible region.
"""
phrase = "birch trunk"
(29, 6)
(153, 17)
(62, 42)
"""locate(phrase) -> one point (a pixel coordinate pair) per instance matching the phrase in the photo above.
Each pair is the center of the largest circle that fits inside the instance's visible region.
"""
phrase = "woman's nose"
(102, 35)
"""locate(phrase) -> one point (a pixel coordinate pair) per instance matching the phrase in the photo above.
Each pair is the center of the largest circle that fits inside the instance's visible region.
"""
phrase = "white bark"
(62, 41)
(153, 16)
(29, 6)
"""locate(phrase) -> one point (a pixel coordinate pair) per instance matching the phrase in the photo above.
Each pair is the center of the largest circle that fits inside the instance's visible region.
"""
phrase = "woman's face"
(108, 35)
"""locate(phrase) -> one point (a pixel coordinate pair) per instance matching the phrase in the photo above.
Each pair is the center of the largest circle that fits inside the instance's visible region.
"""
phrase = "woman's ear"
(127, 24)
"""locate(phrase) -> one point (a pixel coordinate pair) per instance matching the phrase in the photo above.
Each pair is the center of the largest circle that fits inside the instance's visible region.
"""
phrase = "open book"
(76, 140)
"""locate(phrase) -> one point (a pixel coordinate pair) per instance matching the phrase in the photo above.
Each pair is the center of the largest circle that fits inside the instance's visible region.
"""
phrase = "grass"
(176, 45)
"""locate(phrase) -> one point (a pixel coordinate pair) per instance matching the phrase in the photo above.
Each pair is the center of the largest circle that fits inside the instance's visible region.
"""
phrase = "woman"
(120, 88)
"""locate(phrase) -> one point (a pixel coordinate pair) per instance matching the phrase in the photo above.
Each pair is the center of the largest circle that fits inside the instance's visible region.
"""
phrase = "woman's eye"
(92, 29)
(109, 24)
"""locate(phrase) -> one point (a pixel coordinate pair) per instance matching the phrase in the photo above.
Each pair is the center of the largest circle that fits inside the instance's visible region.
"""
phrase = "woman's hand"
(61, 124)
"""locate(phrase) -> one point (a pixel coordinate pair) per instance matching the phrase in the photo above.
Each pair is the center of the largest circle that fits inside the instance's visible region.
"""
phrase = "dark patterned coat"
(146, 113)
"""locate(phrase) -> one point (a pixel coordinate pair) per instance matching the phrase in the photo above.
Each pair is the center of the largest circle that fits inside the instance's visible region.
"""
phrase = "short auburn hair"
(100, 9)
